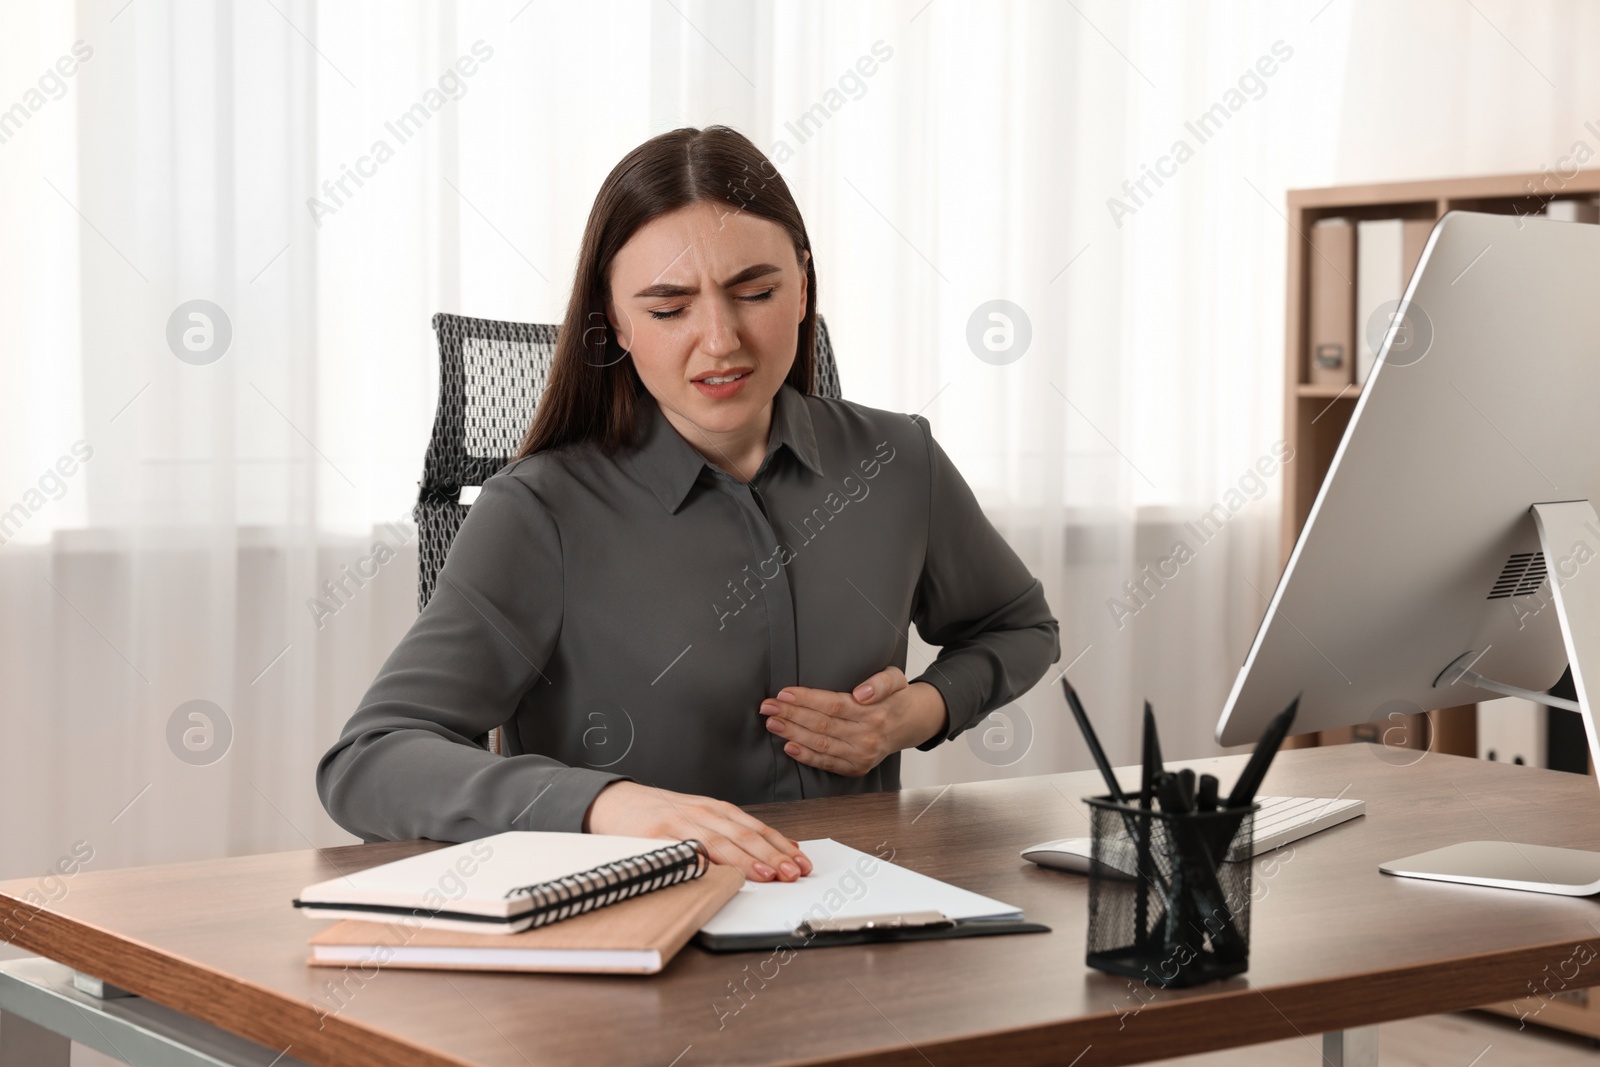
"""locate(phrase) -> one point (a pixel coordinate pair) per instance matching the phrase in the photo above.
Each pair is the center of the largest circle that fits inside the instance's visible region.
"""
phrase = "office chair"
(491, 375)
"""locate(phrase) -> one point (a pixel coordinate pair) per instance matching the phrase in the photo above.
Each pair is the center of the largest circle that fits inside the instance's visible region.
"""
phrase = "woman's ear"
(619, 327)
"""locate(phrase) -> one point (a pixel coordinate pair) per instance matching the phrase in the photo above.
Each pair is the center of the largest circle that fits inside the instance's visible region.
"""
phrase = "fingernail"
(787, 697)
(789, 869)
(805, 864)
(791, 748)
(775, 725)
(762, 870)
(769, 709)
(863, 692)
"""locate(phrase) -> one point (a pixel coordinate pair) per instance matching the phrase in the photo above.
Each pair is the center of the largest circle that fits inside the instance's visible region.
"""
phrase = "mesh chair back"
(491, 376)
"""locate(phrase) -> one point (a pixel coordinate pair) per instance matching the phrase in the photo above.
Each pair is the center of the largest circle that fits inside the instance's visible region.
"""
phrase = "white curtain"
(326, 176)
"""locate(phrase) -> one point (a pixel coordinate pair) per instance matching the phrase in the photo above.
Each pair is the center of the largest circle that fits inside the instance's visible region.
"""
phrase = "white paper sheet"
(846, 883)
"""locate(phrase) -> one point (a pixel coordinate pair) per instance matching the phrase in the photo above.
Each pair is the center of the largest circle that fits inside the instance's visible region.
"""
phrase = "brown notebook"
(636, 936)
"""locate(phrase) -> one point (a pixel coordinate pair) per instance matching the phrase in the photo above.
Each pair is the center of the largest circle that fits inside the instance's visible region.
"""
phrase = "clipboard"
(869, 929)
(851, 898)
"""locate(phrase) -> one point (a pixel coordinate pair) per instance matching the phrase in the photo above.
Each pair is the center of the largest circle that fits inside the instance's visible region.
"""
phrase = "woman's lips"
(723, 390)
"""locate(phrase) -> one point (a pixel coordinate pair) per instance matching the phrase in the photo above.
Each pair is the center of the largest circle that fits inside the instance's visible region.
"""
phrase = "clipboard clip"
(923, 920)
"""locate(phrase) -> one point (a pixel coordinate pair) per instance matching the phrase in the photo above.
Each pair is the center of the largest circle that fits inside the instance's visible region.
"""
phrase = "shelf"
(1508, 187)
(1327, 392)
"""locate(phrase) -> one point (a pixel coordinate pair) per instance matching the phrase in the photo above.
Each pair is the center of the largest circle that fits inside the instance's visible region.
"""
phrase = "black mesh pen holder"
(1184, 919)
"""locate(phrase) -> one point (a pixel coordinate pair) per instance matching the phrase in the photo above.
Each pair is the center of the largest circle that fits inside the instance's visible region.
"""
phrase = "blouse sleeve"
(406, 765)
(977, 601)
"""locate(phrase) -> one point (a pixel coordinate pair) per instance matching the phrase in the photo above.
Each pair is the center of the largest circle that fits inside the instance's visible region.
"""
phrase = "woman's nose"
(721, 329)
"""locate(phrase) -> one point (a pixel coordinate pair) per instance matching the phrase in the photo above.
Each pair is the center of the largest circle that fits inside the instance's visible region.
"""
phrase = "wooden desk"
(1335, 944)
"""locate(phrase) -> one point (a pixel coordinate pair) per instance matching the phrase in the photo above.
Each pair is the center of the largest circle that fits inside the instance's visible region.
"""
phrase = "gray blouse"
(624, 617)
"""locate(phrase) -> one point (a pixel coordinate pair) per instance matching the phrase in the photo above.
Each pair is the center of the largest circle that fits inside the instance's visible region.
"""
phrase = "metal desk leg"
(1356, 1047)
(26, 1044)
(44, 1008)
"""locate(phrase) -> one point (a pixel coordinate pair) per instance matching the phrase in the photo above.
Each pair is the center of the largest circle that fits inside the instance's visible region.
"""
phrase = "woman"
(690, 589)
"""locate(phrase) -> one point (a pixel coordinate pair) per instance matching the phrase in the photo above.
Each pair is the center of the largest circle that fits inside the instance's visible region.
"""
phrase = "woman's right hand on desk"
(730, 836)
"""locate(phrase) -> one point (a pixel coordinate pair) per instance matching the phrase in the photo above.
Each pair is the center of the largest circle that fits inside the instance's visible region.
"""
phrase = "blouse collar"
(670, 465)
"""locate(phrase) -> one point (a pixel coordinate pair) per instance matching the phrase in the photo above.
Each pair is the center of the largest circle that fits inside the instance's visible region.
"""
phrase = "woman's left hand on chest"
(851, 733)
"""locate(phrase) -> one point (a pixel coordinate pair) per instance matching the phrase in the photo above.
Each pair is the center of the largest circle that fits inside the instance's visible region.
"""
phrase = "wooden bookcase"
(1315, 417)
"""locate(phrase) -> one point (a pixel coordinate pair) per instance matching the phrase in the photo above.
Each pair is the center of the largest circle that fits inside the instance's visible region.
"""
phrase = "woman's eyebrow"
(759, 270)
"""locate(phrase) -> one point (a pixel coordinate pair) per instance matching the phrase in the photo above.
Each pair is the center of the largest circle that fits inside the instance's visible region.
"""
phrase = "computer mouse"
(1067, 854)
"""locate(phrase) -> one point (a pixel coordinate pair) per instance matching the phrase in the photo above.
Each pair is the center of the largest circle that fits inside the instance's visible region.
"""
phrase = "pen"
(1152, 742)
(1093, 742)
(1198, 890)
(1177, 906)
(1244, 790)
(1141, 904)
(1186, 793)
(1117, 795)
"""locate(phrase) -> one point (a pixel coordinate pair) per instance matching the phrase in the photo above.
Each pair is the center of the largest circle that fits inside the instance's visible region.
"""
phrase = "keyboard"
(1285, 819)
(1279, 821)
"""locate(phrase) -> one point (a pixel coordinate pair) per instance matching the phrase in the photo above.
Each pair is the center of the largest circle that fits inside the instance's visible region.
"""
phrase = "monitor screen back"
(1420, 548)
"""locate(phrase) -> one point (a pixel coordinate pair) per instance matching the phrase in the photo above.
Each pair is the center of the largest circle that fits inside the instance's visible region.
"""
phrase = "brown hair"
(594, 393)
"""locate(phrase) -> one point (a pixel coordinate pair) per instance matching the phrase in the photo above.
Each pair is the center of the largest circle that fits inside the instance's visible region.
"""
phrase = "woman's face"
(708, 300)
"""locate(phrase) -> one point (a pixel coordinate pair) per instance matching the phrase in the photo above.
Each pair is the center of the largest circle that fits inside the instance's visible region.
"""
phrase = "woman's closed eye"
(749, 298)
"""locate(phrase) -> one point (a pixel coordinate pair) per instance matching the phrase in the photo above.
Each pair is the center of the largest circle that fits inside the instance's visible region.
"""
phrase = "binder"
(1332, 295)
(1584, 210)
(1413, 240)
(508, 882)
(1380, 278)
(637, 936)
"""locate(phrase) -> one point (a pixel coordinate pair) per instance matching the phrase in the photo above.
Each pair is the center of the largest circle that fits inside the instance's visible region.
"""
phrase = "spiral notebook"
(506, 883)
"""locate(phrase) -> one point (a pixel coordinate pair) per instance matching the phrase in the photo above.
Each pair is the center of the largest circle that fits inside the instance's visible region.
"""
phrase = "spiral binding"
(611, 882)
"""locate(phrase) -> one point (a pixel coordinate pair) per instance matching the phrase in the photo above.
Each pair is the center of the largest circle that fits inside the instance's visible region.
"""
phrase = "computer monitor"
(1468, 475)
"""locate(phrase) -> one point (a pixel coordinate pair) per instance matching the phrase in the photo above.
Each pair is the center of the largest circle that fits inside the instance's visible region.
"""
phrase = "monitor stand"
(1563, 527)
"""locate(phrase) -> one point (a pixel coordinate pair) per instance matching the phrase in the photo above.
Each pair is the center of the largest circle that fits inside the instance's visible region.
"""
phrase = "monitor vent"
(1523, 575)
